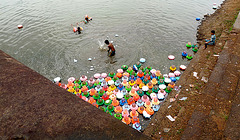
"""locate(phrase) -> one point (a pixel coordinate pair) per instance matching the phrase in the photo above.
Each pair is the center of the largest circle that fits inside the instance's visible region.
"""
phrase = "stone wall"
(32, 107)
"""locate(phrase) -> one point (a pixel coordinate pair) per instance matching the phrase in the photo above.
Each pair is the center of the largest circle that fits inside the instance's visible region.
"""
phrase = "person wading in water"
(111, 48)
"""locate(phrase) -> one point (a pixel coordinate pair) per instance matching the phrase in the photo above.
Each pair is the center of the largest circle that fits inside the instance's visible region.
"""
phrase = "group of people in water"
(111, 49)
(79, 28)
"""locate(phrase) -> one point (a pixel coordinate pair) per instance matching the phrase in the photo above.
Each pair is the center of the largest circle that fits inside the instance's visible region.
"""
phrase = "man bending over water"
(111, 47)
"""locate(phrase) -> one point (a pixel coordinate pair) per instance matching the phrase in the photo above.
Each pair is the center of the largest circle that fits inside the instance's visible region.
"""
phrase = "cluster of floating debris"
(129, 93)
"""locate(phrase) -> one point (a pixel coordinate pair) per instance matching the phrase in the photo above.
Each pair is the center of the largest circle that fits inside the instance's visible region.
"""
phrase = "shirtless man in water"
(111, 47)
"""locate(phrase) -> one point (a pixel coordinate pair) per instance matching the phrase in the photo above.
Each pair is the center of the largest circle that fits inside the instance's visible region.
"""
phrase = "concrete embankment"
(211, 110)
(32, 107)
(217, 115)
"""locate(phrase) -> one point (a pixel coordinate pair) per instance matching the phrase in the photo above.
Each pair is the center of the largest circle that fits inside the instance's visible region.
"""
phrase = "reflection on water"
(150, 29)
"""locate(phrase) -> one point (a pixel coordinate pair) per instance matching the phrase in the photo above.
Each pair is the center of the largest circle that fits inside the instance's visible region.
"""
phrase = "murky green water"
(152, 29)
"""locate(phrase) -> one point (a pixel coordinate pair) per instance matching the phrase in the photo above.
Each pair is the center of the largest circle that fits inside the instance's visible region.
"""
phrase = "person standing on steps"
(212, 40)
(111, 48)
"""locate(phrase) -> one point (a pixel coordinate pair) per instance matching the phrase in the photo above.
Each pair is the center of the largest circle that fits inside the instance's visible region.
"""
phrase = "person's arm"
(109, 48)
(73, 26)
(208, 41)
(80, 22)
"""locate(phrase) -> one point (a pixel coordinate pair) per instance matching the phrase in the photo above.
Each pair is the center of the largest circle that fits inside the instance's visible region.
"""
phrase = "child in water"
(212, 40)
(86, 20)
(77, 29)
(111, 47)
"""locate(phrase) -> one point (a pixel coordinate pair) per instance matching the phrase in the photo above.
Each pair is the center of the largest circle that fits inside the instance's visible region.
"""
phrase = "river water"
(152, 29)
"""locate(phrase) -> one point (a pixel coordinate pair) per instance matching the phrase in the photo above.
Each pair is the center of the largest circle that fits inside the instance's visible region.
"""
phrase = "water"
(152, 29)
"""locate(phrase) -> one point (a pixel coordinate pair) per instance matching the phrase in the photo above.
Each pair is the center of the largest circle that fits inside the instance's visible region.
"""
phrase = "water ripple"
(151, 29)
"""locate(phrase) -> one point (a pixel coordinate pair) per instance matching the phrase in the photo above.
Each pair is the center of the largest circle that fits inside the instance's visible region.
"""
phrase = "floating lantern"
(142, 60)
(171, 57)
(214, 5)
(197, 19)
(20, 26)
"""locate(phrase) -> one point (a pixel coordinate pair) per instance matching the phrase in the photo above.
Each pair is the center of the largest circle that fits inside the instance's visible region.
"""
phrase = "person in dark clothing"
(79, 30)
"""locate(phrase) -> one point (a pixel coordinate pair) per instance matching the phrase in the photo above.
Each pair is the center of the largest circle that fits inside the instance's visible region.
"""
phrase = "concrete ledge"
(32, 107)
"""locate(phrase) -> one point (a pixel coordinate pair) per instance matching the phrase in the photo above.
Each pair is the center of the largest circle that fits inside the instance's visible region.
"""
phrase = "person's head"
(107, 42)
(212, 32)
